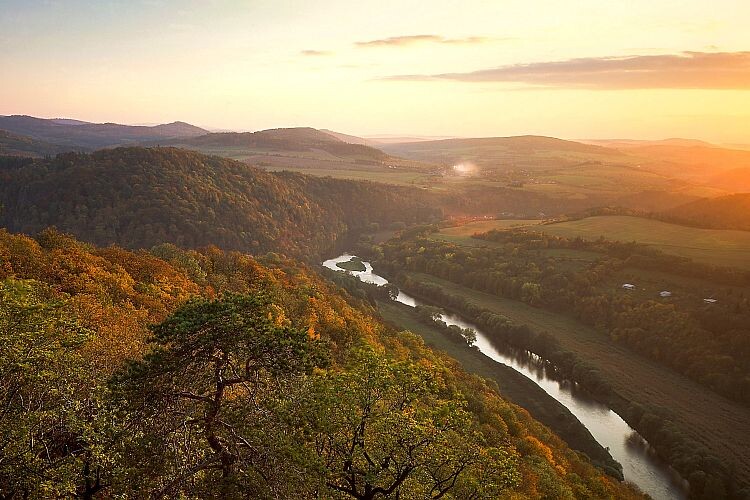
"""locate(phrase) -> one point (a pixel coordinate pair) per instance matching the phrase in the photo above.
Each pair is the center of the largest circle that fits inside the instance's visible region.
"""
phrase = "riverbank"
(640, 465)
(510, 384)
(690, 426)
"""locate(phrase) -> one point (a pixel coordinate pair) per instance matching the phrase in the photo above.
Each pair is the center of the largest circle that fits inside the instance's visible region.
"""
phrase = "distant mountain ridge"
(75, 134)
(525, 151)
(19, 145)
(626, 143)
(288, 140)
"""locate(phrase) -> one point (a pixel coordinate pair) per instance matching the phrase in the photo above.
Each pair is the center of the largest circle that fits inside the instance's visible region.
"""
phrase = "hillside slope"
(73, 315)
(18, 145)
(504, 152)
(77, 135)
(139, 197)
(296, 142)
(725, 212)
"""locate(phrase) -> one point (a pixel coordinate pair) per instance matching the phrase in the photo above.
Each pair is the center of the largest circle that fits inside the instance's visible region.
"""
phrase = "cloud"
(311, 52)
(400, 41)
(687, 70)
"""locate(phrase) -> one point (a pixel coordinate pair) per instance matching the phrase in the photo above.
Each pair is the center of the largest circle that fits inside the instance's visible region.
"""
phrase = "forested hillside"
(709, 342)
(138, 198)
(19, 145)
(300, 139)
(258, 380)
(565, 300)
(724, 212)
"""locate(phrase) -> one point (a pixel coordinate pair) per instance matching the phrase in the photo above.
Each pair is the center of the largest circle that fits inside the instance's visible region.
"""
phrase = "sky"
(643, 69)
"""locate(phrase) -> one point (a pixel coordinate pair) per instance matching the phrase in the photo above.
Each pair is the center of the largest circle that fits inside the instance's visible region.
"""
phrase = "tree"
(50, 419)
(380, 429)
(203, 400)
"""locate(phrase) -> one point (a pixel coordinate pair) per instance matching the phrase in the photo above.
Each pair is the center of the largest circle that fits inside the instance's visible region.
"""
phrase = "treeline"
(709, 343)
(724, 212)
(289, 140)
(708, 477)
(138, 198)
(210, 374)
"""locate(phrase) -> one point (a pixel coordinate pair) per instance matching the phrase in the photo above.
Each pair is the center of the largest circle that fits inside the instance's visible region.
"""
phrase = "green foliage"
(706, 343)
(140, 198)
(224, 397)
(201, 403)
(51, 427)
(724, 212)
(382, 428)
(353, 264)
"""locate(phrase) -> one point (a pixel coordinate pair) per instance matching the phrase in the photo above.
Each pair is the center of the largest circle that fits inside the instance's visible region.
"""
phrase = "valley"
(719, 247)
(530, 239)
(287, 250)
(551, 401)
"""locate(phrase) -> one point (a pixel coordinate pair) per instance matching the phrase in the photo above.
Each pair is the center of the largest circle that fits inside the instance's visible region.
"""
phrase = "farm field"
(721, 425)
(712, 246)
(397, 177)
(463, 234)
(483, 226)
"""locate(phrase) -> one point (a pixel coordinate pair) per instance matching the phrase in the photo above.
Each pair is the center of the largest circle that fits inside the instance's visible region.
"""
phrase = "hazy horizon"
(391, 135)
(646, 70)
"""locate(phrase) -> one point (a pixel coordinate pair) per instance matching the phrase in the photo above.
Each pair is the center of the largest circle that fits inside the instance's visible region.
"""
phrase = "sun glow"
(465, 168)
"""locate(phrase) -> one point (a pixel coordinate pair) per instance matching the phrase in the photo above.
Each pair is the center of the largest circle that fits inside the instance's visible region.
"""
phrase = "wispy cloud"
(401, 41)
(314, 53)
(687, 70)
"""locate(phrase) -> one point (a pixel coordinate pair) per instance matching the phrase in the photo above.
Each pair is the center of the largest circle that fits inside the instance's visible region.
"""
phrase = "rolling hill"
(18, 145)
(289, 141)
(724, 212)
(504, 153)
(735, 180)
(351, 139)
(140, 197)
(695, 163)
(78, 328)
(74, 134)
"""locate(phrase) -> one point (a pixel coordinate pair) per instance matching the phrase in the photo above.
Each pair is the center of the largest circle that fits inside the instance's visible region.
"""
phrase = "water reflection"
(640, 464)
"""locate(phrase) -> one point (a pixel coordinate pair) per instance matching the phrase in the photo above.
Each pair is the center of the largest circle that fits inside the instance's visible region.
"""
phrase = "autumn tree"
(380, 429)
(54, 432)
(203, 401)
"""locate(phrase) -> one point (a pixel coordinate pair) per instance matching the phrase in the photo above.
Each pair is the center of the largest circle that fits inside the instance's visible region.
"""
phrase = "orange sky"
(584, 69)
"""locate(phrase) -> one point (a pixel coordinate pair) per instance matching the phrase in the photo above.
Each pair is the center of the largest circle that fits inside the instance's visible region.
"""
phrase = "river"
(639, 463)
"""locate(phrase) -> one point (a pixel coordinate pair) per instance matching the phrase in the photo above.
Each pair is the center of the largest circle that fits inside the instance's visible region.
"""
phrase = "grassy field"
(712, 246)
(482, 226)
(462, 234)
(721, 425)
(511, 384)
(398, 177)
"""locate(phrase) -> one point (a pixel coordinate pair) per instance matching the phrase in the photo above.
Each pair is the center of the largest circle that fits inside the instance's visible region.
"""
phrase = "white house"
(665, 294)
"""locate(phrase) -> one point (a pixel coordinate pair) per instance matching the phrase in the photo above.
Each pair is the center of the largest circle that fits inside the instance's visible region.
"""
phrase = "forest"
(213, 374)
(707, 343)
(724, 212)
(138, 198)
